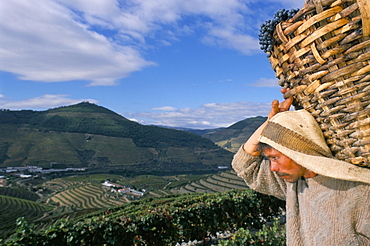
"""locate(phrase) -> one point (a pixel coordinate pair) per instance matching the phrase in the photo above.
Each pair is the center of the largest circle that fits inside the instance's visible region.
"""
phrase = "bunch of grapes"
(267, 28)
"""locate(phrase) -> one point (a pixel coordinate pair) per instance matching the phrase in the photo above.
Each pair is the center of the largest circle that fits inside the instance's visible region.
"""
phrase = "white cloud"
(43, 102)
(45, 41)
(165, 108)
(265, 82)
(227, 38)
(211, 115)
(103, 41)
(289, 3)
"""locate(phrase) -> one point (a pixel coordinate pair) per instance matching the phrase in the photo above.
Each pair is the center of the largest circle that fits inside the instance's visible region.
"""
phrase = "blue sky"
(181, 63)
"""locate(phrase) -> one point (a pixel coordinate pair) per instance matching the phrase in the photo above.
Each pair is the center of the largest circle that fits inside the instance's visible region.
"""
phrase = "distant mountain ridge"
(232, 137)
(200, 132)
(92, 136)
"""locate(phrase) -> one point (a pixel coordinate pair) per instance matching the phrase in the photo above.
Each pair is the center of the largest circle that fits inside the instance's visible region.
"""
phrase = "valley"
(43, 201)
(72, 161)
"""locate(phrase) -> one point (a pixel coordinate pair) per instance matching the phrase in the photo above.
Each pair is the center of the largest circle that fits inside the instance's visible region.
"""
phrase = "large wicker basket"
(323, 55)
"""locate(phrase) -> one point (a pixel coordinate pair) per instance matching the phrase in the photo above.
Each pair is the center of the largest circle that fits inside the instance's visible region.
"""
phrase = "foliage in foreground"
(268, 235)
(157, 222)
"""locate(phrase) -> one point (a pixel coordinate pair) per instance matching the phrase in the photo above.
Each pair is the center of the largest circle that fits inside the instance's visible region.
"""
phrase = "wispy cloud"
(46, 41)
(103, 41)
(211, 115)
(165, 108)
(43, 102)
(265, 82)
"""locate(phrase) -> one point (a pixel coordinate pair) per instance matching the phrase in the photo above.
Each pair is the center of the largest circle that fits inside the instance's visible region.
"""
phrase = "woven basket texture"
(323, 55)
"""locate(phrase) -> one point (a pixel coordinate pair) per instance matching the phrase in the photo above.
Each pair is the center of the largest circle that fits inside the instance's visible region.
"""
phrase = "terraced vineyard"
(58, 184)
(19, 193)
(219, 182)
(85, 196)
(70, 196)
(13, 208)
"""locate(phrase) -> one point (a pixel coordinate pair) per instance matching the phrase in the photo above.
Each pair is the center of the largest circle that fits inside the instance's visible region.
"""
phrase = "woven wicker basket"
(323, 55)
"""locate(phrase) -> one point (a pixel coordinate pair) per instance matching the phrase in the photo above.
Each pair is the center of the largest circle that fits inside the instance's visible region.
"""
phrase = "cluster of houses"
(36, 169)
(3, 181)
(30, 172)
(121, 189)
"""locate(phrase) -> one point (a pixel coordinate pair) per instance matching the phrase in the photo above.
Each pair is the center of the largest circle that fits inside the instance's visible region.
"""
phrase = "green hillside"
(18, 192)
(233, 137)
(80, 195)
(88, 135)
(163, 221)
(13, 208)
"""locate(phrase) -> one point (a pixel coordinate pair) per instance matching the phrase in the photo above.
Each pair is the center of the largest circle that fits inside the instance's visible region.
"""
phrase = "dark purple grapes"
(266, 39)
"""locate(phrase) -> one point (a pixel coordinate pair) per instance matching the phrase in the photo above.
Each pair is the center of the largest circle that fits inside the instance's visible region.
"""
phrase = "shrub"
(269, 235)
(163, 221)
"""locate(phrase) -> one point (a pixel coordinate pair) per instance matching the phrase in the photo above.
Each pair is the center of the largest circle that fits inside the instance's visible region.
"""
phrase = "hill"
(167, 220)
(13, 208)
(232, 137)
(200, 132)
(88, 135)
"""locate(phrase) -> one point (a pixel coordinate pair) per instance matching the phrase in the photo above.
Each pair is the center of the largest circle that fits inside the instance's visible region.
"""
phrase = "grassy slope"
(26, 144)
(234, 136)
(76, 195)
(13, 208)
(89, 135)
